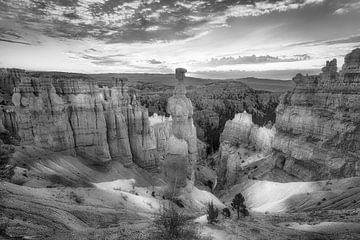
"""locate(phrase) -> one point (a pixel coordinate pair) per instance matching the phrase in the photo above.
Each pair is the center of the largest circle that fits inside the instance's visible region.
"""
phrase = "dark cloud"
(8, 33)
(103, 60)
(110, 62)
(125, 21)
(352, 39)
(154, 61)
(12, 41)
(255, 59)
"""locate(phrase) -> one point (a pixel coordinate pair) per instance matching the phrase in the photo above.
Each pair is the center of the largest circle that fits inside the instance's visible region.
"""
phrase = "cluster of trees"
(237, 204)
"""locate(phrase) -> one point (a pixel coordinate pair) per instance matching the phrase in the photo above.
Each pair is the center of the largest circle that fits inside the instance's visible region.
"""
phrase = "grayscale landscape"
(180, 120)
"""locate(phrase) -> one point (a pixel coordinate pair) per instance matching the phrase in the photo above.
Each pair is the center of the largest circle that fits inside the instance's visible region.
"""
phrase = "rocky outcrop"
(242, 130)
(10, 78)
(181, 153)
(241, 143)
(318, 123)
(214, 104)
(79, 117)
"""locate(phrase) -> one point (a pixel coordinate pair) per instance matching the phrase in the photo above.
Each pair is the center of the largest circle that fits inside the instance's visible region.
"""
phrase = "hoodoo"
(76, 116)
(182, 144)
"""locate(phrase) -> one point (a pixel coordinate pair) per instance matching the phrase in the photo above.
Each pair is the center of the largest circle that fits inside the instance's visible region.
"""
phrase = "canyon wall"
(317, 134)
(242, 130)
(318, 123)
(241, 143)
(79, 117)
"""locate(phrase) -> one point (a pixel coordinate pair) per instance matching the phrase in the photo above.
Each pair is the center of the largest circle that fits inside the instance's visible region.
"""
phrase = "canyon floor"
(63, 197)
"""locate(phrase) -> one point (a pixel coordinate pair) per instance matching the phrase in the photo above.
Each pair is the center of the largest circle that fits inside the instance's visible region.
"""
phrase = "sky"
(210, 38)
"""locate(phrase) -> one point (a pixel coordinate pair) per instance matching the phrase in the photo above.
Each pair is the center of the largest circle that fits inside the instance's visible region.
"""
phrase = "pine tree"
(238, 204)
(212, 213)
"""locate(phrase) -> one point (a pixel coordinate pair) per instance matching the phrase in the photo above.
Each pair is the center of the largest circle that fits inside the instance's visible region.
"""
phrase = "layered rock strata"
(241, 129)
(318, 123)
(79, 117)
(242, 142)
(182, 144)
(10, 78)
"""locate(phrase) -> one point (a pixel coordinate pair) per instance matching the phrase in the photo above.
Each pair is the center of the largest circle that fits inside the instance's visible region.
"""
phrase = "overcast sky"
(211, 38)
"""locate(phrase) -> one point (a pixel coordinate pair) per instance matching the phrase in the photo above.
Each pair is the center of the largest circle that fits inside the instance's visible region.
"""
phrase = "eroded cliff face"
(79, 117)
(317, 134)
(318, 123)
(242, 143)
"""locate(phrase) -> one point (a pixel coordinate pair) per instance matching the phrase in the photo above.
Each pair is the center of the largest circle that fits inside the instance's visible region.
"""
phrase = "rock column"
(181, 147)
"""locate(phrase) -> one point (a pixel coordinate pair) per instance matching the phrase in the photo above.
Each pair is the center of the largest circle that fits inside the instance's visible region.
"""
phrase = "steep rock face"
(10, 77)
(241, 129)
(161, 128)
(79, 117)
(241, 143)
(182, 144)
(318, 123)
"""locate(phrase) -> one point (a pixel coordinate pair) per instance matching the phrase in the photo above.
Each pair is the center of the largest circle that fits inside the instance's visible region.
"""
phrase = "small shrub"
(78, 199)
(226, 213)
(171, 224)
(125, 197)
(212, 213)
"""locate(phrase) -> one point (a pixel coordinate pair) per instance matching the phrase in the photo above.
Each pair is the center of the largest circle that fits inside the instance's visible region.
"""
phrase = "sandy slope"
(325, 227)
(267, 196)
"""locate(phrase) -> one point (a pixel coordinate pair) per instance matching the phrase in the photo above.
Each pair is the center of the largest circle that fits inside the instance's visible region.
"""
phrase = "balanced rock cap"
(180, 74)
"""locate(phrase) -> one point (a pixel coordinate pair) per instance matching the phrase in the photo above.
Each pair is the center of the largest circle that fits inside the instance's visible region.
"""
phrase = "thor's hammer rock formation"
(182, 144)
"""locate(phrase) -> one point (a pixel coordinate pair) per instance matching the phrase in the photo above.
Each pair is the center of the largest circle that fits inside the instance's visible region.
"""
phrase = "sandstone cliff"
(318, 123)
(317, 133)
(79, 117)
(242, 143)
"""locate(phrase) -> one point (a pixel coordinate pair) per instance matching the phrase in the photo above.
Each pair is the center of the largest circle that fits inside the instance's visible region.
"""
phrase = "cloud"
(131, 21)
(255, 59)
(100, 59)
(346, 7)
(154, 61)
(352, 39)
(13, 41)
(347, 40)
